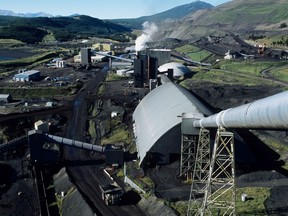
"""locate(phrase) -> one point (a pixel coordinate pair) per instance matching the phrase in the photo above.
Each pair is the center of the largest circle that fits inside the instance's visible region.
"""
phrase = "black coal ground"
(18, 193)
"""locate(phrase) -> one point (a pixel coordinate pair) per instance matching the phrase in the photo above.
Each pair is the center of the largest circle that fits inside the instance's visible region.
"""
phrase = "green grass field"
(222, 77)
(10, 42)
(254, 205)
(28, 62)
(193, 52)
(280, 73)
(250, 67)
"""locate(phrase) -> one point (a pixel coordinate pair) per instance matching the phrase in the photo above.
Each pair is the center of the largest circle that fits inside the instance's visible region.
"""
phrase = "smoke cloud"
(149, 30)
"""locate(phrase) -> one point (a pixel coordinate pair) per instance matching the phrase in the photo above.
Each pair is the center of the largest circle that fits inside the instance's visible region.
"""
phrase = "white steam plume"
(149, 30)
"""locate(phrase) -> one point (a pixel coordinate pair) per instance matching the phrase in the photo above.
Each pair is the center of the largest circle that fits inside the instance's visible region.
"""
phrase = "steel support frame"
(188, 154)
(220, 194)
(200, 172)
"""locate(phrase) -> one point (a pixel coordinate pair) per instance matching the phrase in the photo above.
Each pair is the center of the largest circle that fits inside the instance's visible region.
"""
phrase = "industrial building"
(179, 70)
(60, 64)
(157, 122)
(42, 126)
(163, 55)
(26, 76)
(157, 118)
(77, 58)
(99, 56)
(118, 65)
(106, 47)
(7, 98)
(145, 68)
(146, 65)
(86, 56)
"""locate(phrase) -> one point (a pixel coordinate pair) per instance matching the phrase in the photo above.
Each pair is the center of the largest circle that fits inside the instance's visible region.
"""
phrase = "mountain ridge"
(28, 15)
(188, 21)
(177, 12)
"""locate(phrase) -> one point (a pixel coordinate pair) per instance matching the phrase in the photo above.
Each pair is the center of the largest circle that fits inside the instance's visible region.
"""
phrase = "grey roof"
(4, 96)
(27, 73)
(158, 112)
(178, 68)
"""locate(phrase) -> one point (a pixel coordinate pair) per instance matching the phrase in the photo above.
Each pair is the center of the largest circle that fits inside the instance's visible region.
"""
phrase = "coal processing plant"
(171, 123)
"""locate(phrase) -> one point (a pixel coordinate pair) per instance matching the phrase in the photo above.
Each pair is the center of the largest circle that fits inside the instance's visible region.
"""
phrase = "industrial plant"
(124, 129)
(169, 124)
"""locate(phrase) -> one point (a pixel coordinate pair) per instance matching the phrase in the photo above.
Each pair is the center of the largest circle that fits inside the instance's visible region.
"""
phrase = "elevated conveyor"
(268, 113)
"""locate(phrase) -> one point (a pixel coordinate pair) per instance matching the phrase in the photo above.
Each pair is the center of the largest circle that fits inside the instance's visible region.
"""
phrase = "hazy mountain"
(20, 26)
(172, 14)
(238, 16)
(11, 13)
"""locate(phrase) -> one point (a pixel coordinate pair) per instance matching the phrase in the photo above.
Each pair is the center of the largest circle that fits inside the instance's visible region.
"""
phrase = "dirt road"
(88, 177)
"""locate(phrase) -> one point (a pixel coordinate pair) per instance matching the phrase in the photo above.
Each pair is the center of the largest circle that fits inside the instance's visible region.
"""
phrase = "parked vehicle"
(111, 194)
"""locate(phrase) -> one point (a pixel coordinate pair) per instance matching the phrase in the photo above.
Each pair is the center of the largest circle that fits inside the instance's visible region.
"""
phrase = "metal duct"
(115, 57)
(12, 143)
(267, 113)
(74, 143)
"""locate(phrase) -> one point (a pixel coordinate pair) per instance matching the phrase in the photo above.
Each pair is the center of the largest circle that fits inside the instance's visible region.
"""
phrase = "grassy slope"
(247, 12)
(28, 62)
(193, 52)
(63, 28)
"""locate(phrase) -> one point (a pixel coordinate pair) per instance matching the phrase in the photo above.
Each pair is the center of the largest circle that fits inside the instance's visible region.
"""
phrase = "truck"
(111, 193)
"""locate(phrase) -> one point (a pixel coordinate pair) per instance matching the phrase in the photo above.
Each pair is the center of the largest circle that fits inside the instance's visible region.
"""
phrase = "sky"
(102, 9)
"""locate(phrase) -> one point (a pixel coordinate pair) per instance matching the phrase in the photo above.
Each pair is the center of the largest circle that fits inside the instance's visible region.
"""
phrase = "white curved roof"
(158, 112)
(178, 68)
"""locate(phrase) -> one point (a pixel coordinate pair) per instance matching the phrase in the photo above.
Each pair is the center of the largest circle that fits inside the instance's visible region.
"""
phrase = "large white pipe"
(268, 113)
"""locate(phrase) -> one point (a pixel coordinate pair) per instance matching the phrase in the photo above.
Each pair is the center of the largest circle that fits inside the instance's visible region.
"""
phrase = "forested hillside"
(33, 30)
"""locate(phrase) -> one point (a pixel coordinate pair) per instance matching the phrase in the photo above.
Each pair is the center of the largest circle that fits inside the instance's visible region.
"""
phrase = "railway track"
(41, 191)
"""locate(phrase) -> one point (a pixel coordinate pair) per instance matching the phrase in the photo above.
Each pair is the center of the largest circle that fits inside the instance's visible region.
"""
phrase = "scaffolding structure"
(220, 193)
(189, 140)
(200, 173)
(188, 153)
(213, 183)
(267, 113)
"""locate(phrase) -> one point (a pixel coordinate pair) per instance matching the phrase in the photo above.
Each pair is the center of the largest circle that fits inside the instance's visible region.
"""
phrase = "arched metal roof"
(178, 69)
(158, 112)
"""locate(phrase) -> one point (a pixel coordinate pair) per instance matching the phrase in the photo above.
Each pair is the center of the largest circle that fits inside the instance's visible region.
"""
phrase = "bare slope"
(240, 16)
